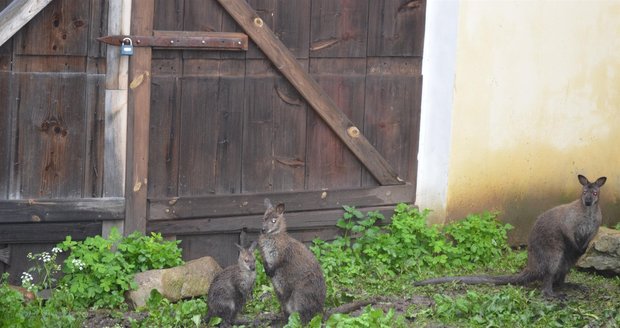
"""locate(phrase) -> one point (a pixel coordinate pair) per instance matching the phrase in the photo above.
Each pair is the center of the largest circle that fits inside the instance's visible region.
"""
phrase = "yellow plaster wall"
(536, 101)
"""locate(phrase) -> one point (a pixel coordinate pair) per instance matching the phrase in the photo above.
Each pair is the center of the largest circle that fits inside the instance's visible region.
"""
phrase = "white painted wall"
(438, 67)
(533, 100)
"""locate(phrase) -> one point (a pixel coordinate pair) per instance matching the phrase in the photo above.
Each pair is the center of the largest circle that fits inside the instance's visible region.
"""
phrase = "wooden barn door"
(321, 111)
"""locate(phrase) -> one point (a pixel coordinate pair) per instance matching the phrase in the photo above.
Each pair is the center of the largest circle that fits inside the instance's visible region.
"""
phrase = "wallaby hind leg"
(547, 288)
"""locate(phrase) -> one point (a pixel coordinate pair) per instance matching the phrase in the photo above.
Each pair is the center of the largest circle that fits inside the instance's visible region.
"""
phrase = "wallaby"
(294, 271)
(232, 287)
(557, 240)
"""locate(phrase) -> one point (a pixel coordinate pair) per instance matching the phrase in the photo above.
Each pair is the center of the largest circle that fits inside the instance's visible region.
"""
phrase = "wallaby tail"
(516, 279)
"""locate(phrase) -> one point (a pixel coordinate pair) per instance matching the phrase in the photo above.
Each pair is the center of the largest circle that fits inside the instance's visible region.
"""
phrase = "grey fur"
(232, 287)
(294, 271)
(557, 240)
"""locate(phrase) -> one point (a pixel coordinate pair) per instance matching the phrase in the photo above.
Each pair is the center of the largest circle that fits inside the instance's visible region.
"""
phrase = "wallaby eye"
(273, 220)
(584, 192)
(595, 193)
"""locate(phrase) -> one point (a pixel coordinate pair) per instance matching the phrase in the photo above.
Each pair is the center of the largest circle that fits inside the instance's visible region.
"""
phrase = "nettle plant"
(99, 271)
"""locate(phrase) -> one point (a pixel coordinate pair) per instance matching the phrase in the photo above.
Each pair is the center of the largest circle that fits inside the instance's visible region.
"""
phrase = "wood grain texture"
(95, 129)
(396, 28)
(138, 120)
(115, 147)
(17, 14)
(393, 97)
(330, 164)
(309, 89)
(6, 94)
(339, 28)
(50, 136)
(62, 28)
(61, 210)
(165, 137)
(296, 221)
(174, 208)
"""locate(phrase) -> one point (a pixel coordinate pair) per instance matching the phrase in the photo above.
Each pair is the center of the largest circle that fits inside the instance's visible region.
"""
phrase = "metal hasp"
(184, 40)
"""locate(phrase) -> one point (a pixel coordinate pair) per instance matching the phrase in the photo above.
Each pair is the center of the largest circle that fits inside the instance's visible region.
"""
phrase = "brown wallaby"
(232, 287)
(557, 240)
(294, 271)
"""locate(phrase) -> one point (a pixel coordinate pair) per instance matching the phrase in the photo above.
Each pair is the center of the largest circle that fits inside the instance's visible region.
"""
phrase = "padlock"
(126, 47)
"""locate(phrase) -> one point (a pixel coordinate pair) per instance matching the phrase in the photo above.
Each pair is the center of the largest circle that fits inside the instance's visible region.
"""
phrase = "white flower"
(78, 264)
(46, 257)
(56, 250)
(27, 281)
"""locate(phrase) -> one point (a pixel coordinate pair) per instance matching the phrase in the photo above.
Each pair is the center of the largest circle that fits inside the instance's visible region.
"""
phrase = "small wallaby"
(294, 271)
(557, 240)
(232, 287)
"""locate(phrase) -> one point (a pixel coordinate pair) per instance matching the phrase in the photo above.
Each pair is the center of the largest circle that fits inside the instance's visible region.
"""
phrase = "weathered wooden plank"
(51, 63)
(47, 232)
(138, 120)
(274, 132)
(200, 15)
(62, 28)
(117, 66)
(289, 20)
(329, 163)
(98, 25)
(169, 15)
(289, 136)
(252, 204)
(257, 160)
(95, 129)
(396, 28)
(115, 110)
(221, 247)
(296, 221)
(311, 91)
(7, 105)
(165, 138)
(61, 210)
(17, 14)
(6, 49)
(229, 115)
(393, 97)
(198, 135)
(211, 112)
(51, 137)
(339, 28)
(115, 147)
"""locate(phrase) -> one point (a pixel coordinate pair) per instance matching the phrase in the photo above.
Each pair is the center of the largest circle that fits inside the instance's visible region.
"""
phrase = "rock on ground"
(188, 280)
(604, 251)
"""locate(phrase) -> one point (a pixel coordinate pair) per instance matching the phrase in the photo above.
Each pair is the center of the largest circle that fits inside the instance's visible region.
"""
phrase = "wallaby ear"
(267, 203)
(252, 246)
(583, 180)
(239, 246)
(280, 208)
(601, 181)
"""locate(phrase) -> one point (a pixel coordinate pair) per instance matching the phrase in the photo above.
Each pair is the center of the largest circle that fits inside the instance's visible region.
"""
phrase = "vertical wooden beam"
(115, 148)
(285, 62)
(19, 12)
(139, 104)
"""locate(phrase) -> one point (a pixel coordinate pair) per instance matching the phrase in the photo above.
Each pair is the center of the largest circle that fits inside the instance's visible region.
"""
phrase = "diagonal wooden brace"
(285, 62)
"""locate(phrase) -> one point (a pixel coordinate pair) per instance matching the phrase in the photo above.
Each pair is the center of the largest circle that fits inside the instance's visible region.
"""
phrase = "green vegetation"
(372, 257)
(99, 271)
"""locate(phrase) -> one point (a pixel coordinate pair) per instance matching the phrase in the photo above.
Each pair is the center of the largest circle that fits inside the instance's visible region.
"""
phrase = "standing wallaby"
(232, 287)
(294, 271)
(557, 240)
